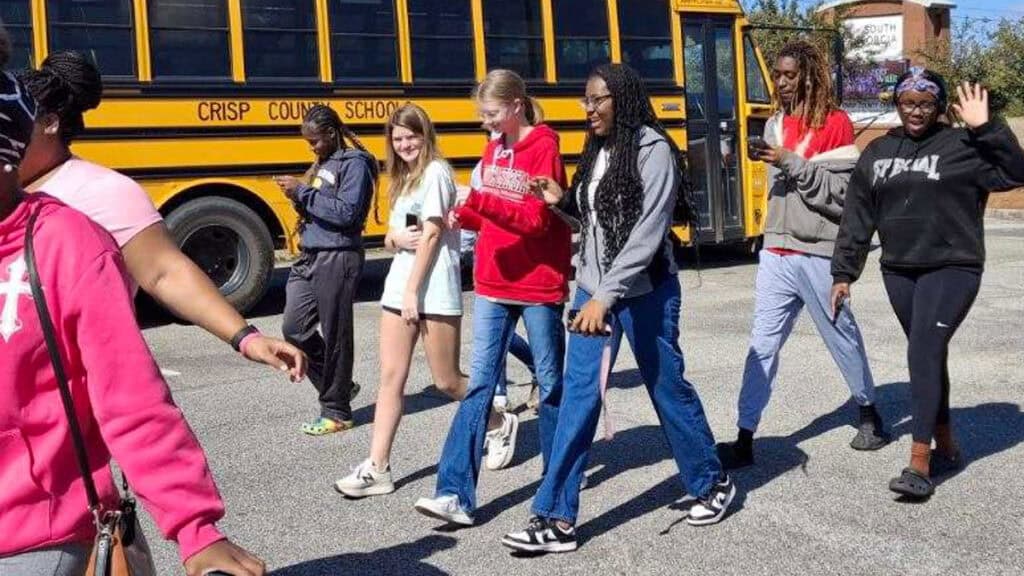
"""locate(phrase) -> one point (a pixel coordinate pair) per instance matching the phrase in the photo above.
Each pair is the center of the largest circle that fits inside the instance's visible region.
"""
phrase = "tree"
(992, 56)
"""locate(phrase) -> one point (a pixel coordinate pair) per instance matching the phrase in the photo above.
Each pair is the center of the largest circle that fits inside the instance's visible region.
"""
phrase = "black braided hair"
(619, 196)
(67, 84)
(322, 117)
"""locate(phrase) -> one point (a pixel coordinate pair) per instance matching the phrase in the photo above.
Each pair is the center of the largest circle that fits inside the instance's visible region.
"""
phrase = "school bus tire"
(230, 242)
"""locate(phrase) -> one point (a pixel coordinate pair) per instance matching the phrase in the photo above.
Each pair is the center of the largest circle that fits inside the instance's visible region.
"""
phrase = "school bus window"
(189, 39)
(280, 39)
(645, 33)
(757, 86)
(442, 39)
(16, 16)
(515, 36)
(694, 65)
(726, 68)
(100, 29)
(363, 45)
(581, 37)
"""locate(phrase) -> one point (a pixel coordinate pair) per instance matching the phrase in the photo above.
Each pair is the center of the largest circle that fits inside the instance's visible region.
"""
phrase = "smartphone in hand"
(839, 309)
(754, 147)
(412, 220)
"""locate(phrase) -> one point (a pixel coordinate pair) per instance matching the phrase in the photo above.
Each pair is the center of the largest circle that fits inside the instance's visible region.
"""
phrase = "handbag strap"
(49, 335)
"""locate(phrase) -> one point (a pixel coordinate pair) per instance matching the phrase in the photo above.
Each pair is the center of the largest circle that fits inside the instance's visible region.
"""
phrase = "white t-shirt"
(441, 292)
(596, 174)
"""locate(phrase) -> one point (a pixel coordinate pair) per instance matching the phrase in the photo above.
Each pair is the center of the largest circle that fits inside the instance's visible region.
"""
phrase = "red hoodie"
(523, 252)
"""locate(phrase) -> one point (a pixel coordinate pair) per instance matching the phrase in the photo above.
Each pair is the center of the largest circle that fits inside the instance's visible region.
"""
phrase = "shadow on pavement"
(406, 559)
(426, 399)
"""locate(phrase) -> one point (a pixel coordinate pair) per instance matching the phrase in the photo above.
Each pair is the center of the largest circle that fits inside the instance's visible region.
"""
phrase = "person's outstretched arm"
(168, 275)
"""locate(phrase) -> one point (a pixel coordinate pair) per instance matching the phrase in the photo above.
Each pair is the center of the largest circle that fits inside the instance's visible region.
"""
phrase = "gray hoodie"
(648, 247)
(805, 202)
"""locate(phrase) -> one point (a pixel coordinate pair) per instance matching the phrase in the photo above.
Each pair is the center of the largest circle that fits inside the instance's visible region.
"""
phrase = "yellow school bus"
(204, 98)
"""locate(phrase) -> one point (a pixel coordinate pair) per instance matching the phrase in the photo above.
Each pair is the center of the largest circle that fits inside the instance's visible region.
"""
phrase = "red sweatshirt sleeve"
(468, 218)
(140, 424)
(527, 218)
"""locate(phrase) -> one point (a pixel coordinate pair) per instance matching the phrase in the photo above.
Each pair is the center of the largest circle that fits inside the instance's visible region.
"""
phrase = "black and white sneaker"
(542, 535)
(712, 509)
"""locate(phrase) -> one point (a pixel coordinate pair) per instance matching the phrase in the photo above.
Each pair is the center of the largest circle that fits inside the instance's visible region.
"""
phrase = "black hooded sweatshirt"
(926, 197)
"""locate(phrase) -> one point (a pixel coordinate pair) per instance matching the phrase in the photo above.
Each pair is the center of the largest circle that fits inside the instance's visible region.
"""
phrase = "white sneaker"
(501, 442)
(445, 508)
(365, 481)
(713, 507)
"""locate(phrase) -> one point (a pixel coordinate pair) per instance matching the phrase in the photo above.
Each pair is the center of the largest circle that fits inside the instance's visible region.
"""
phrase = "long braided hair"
(814, 85)
(68, 85)
(619, 196)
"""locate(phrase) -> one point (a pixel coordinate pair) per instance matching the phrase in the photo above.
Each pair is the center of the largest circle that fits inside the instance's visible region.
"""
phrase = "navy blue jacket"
(335, 204)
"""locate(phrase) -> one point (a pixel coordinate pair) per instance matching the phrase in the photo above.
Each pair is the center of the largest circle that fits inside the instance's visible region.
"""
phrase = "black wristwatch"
(236, 340)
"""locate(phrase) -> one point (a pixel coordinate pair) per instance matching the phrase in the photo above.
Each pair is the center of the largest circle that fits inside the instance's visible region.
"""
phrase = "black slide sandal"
(912, 484)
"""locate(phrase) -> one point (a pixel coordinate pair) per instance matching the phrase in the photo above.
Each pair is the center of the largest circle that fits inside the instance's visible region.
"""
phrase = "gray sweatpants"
(785, 284)
(318, 319)
(67, 560)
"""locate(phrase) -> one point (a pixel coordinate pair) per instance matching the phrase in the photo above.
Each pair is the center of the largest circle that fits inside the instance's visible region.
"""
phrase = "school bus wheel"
(229, 242)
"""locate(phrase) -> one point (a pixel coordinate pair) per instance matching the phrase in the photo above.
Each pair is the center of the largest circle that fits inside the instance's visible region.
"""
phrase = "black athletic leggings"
(930, 304)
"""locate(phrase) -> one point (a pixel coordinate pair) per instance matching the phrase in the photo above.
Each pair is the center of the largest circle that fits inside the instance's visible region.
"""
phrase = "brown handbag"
(120, 548)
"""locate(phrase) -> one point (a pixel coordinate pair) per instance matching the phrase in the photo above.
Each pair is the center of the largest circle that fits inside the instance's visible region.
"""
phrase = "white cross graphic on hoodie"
(12, 291)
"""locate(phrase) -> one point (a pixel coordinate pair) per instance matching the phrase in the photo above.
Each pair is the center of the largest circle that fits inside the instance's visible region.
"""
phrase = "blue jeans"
(651, 324)
(493, 326)
(520, 350)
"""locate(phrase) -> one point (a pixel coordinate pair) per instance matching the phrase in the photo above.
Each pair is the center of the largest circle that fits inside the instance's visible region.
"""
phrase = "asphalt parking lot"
(811, 505)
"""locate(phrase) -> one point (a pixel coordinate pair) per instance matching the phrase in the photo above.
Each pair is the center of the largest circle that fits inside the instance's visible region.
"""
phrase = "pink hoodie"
(123, 403)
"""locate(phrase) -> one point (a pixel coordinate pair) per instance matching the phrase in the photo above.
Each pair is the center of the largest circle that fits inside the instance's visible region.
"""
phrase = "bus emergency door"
(712, 127)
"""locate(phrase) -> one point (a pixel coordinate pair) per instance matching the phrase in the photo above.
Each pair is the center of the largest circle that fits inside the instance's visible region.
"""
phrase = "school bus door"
(712, 124)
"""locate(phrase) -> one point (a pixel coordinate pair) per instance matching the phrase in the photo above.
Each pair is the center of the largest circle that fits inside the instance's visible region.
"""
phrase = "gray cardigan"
(628, 275)
(805, 202)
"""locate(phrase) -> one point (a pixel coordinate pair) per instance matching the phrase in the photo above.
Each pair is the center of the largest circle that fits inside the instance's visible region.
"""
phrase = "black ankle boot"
(871, 435)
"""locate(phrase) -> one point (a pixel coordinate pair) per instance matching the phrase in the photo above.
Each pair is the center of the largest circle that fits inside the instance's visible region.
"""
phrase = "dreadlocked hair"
(68, 85)
(619, 196)
(814, 85)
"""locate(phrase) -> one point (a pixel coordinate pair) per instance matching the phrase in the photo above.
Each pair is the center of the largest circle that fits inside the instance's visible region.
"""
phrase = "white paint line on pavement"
(169, 373)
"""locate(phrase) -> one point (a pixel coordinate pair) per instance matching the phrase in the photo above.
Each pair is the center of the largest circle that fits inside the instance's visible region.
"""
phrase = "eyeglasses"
(590, 103)
(911, 107)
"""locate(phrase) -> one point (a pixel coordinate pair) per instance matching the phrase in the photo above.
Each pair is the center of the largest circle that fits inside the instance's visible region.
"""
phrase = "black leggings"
(930, 305)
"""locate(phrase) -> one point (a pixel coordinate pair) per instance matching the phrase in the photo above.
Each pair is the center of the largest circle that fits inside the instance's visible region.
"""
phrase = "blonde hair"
(507, 86)
(402, 177)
